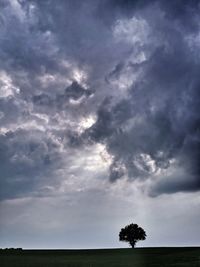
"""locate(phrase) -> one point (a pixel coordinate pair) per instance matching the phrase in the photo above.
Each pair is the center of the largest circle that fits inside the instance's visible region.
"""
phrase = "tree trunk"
(132, 244)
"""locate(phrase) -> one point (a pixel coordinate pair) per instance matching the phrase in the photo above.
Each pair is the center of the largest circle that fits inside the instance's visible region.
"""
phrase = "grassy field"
(148, 257)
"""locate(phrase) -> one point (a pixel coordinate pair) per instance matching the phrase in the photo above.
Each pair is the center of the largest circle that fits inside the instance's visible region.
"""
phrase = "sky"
(99, 122)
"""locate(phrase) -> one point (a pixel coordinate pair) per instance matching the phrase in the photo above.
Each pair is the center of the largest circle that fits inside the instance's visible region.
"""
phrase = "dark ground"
(148, 257)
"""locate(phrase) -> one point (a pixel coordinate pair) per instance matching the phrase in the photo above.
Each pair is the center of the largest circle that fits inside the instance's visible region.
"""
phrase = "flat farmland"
(138, 257)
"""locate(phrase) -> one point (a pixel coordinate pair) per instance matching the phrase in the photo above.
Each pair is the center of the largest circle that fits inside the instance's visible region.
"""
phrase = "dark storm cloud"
(103, 127)
(10, 110)
(24, 155)
(177, 9)
(22, 45)
(139, 63)
(76, 91)
(73, 92)
(164, 107)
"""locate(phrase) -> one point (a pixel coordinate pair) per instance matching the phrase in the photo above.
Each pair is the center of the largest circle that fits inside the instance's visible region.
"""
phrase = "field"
(147, 257)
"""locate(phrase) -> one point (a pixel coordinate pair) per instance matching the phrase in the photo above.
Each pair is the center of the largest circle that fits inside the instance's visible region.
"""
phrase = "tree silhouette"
(132, 233)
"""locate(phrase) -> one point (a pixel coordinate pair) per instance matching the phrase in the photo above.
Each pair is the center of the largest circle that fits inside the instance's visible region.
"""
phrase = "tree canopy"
(132, 233)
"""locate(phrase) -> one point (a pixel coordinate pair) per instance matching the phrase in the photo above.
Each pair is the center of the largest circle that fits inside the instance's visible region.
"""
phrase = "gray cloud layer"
(132, 66)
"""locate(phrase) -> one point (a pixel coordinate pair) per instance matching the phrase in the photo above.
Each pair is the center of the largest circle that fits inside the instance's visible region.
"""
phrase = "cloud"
(24, 156)
(72, 94)
(118, 74)
(161, 112)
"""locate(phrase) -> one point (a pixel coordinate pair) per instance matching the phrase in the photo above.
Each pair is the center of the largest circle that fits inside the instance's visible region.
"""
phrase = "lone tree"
(132, 233)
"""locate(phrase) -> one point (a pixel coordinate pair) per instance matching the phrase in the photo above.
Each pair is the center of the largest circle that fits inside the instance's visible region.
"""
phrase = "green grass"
(147, 257)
